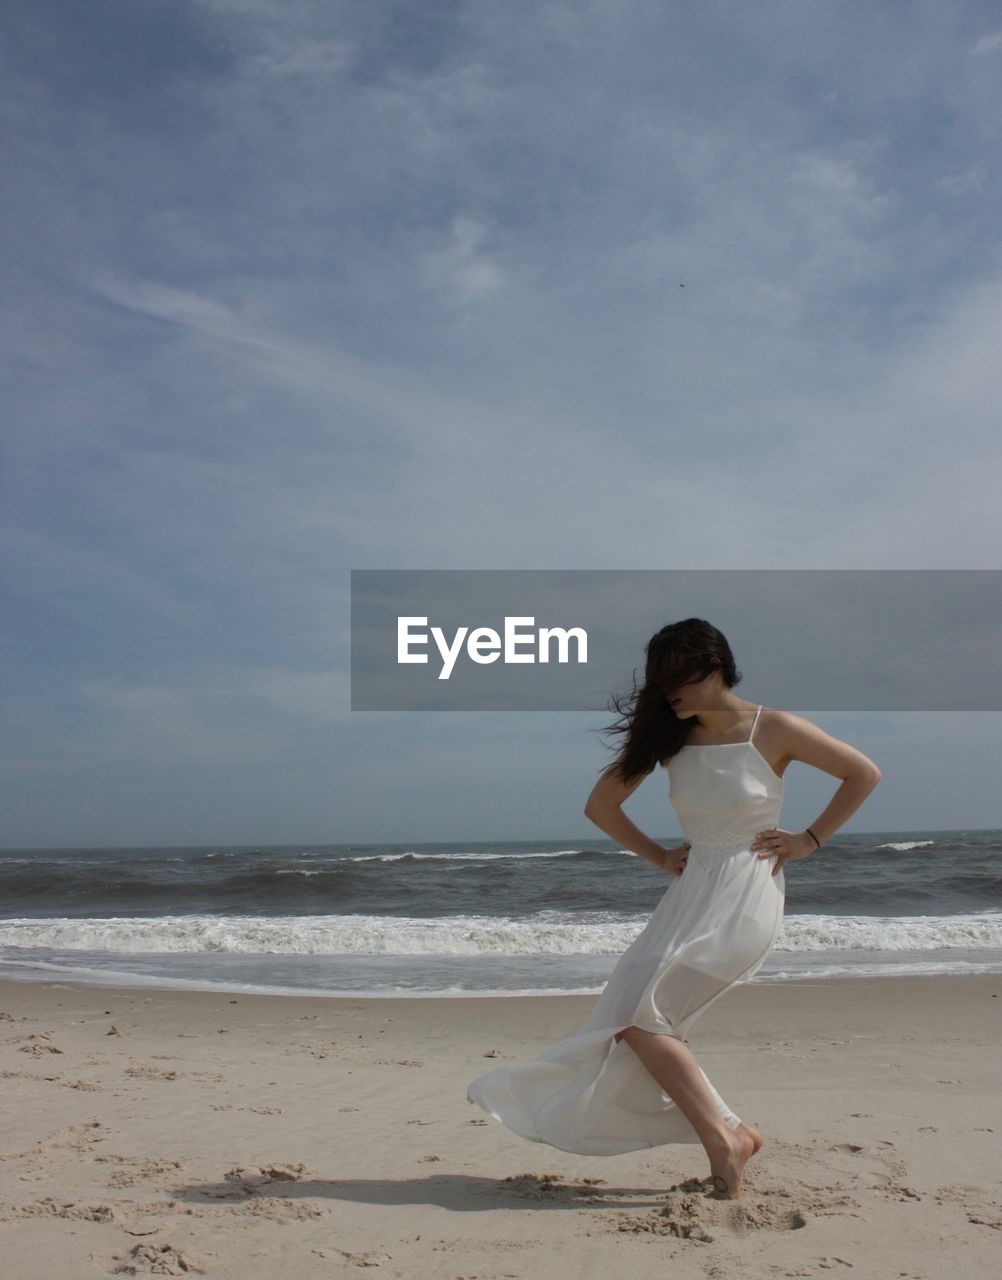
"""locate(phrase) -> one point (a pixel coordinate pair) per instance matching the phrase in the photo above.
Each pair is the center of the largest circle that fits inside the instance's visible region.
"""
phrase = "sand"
(183, 1133)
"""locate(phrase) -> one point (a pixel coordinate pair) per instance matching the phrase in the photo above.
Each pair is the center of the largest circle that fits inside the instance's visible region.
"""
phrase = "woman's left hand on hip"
(784, 846)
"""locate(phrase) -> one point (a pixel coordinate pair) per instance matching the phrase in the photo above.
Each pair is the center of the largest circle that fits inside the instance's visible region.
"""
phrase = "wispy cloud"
(989, 44)
(463, 268)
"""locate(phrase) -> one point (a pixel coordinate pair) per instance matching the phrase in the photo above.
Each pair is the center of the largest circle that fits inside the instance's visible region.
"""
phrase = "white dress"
(713, 928)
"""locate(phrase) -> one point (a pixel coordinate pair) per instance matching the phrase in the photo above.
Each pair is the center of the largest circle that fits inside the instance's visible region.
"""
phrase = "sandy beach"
(175, 1132)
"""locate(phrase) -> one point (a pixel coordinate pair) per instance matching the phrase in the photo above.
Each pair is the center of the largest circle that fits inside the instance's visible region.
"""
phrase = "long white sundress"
(713, 928)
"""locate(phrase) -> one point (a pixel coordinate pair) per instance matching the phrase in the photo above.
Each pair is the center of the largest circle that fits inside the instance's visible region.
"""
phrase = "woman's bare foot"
(755, 1134)
(727, 1165)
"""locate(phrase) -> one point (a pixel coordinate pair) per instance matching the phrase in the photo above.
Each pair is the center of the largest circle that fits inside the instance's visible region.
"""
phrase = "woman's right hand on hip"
(676, 858)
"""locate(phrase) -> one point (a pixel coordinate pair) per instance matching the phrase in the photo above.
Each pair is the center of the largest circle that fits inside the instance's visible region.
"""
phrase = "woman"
(626, 1080)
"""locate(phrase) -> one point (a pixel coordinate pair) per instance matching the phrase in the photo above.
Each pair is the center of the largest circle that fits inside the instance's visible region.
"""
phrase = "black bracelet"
(813, 837)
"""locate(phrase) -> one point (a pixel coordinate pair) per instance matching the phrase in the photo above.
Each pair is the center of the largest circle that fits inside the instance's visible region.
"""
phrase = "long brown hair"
(679, 652)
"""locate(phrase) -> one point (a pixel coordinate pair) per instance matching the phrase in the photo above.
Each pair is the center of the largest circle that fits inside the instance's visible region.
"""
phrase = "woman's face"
(685, 698)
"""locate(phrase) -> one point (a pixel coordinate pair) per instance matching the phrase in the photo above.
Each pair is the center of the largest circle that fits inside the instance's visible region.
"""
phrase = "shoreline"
(150, 1128)
(764, 995)
(141, 984)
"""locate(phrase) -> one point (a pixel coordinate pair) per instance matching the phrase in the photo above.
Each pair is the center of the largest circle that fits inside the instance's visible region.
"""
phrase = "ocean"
(487, 919)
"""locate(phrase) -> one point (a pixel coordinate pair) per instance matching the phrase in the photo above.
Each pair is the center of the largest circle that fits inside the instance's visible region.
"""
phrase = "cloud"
(967, 182)
(243, 716)
(988, 44)
(306, 57)
(462, 460)
(462, 269)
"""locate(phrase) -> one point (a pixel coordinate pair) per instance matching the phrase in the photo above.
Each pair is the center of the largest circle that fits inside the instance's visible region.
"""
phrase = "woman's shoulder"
(795, 737)
(787, 721)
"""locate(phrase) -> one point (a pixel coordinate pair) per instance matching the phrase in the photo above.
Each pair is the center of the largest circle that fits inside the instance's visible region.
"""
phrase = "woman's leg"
(672, 1064)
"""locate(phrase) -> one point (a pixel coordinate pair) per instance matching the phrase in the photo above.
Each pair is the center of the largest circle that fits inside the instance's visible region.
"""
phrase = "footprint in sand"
(145, 1072)
(980, 1211)
(156, 1259)
(251, 1179)
(135, 1170)
(370, 1259)
(40, 1043)
(49, 1206)
(689, 1213)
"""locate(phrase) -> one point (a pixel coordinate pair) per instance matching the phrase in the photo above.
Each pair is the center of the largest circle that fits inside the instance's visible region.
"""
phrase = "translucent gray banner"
(805, 639)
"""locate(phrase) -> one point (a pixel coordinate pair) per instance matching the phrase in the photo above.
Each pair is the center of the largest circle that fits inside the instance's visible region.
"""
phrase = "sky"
(296, 287)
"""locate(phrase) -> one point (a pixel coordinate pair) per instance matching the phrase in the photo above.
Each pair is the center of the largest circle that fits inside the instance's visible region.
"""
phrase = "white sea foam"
(43, 971)
(464, 857)
(58, 975)
(547, 932)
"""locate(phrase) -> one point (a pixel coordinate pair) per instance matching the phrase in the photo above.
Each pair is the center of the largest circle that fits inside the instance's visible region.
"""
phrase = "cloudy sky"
(295, 287)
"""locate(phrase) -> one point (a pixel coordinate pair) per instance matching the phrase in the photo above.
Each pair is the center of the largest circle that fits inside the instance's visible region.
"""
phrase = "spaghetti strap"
(754, 723)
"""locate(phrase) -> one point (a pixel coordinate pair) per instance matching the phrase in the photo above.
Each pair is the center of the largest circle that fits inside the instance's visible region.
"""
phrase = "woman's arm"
(799, 739)
(604, 808)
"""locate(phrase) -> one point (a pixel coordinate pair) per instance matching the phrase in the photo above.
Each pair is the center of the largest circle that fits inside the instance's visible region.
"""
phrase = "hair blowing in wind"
(651, 731)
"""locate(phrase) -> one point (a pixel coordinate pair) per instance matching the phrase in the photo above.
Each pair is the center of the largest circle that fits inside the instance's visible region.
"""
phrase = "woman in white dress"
(626, 1080)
